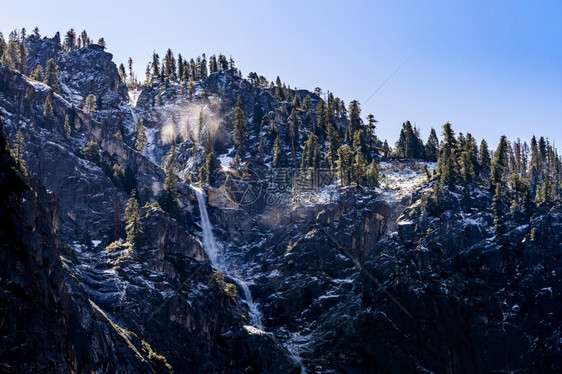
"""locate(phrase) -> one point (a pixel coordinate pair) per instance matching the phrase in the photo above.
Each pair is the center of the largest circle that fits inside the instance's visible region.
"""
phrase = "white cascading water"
(217, 260)
(209, 242)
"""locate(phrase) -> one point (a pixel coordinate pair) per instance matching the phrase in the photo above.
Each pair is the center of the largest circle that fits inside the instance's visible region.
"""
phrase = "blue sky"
(489, 68)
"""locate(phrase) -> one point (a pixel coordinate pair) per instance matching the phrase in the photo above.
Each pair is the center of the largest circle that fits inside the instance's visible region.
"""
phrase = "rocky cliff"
(345, 280)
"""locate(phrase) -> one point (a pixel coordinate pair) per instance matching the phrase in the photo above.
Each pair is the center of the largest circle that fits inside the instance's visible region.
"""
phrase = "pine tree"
(19, 152)
(359, 145)
(409, 144)
(386, 150)
(472, 149)
(447, 164)
(14, 54)
(122, 73)
(432, 146)
(433, 203)
(359, 169)
(133, 224)
(203, 67)
(499, 165)
(401, 143)
(468, 160)
(278, 156)
(307, 103)
(23, 53)
(311, 154)
(542, 150)
(240, 130)
(320, 122)
(213, 67)
(207, 170)
(297, 102)
(170, 65)
(85, 38)
(371, 127)
(2, 44)
(37, 73)
(535, 166)
(293, 134)
(155, 65)
(131, 73)
(67, 128)
(484, 160)
(91, 103)
(333, 144)
(141, 138)
(373, 176)
(92, 151)
(48, 109)
(50, 77)
(345, 165)
(354, 120)
(467, 169)
(272, 135)
(521, 197)
(70, 40)
(57, 41)
(546, 192)
(498, 209)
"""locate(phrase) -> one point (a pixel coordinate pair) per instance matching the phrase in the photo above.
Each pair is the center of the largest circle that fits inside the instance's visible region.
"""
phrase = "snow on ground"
(39, 86)
(398, 179)
(226, 160)
(402, 179)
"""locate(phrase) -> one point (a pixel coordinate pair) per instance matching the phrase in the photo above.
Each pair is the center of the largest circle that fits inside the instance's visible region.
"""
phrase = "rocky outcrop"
(91, 70)
(44, 328)
(39, 51)
(88, 198)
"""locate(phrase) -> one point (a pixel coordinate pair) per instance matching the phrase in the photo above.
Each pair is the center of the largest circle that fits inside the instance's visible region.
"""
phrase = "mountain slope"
(356, 278)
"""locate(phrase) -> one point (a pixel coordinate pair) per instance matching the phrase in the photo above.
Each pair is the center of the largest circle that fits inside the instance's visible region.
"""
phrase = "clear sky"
(488, 67)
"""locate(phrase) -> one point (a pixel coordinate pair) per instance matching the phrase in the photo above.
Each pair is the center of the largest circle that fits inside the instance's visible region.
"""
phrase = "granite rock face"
(358, 280)
(357, 289)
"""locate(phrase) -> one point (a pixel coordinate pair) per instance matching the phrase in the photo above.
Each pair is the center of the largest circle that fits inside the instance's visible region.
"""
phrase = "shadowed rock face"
(476, 302)
(50, 325)
(44, 328)
(91, 71)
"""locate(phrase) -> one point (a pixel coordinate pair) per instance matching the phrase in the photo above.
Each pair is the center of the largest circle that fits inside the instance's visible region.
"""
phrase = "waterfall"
(255, 314)
(217, 259)
(209, 242)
